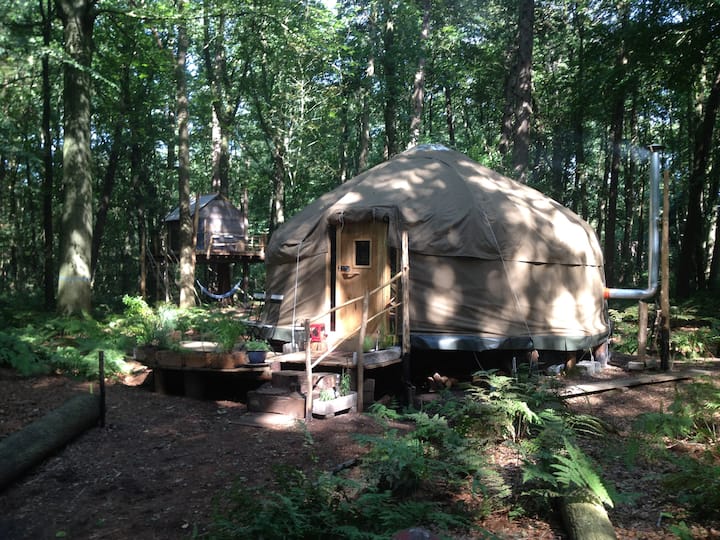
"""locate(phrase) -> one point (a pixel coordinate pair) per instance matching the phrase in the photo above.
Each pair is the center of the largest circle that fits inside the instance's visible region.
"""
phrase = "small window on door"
(362, 253)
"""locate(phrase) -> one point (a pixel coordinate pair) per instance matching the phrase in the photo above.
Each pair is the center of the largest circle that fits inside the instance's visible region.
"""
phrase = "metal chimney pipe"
(653, 236)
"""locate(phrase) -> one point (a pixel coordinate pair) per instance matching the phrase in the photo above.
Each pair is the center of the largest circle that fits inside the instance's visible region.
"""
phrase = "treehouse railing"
(230, 243)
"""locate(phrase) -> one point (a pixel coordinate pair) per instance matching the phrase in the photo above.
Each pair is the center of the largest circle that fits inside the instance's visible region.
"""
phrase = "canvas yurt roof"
(493, 263)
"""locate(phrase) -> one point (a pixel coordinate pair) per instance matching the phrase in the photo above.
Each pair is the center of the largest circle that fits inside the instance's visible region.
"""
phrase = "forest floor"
(154, 471)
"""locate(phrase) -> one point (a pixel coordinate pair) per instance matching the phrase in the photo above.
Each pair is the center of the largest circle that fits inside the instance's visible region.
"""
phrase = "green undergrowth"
(438, 473)
(61, 345)
(686, 436)
(695, 329)
(35, 343)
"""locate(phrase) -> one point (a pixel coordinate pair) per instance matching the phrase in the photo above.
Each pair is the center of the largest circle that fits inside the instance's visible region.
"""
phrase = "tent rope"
(507, 276)
(297, 271)
(228, 294)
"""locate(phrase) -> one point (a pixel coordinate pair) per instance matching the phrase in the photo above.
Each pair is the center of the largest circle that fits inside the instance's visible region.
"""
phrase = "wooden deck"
(373, 359)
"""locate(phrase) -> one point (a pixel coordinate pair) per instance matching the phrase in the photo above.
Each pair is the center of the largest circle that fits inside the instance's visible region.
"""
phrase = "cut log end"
(586, 521)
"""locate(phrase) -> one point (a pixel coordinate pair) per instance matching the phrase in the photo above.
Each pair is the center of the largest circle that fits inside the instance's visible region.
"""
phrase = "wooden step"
(269, 399)
(295, 380)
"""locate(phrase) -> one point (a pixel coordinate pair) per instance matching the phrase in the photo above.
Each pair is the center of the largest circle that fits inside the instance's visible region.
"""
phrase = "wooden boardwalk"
(596, 387)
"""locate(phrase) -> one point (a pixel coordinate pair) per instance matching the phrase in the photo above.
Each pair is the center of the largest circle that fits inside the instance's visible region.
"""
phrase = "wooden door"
(362, 265)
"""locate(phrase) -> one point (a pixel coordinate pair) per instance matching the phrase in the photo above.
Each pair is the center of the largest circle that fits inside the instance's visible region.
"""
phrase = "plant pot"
(257, 357)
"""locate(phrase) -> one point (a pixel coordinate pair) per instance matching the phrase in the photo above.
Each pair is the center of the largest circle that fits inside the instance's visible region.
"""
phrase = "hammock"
(228, 294)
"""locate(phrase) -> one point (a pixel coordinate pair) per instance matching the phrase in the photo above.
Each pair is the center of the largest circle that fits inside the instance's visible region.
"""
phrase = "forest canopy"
(115, 112)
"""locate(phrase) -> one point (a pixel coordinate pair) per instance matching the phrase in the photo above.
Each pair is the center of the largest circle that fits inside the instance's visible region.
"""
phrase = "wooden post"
(642, 330)
(246, 284)
(361, 353)
(308, 373)
(101, 377)
(665, 278)
(405, 283)
(196, 222)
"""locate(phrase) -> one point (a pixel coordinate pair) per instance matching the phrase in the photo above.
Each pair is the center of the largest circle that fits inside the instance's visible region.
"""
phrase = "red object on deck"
(317, 332)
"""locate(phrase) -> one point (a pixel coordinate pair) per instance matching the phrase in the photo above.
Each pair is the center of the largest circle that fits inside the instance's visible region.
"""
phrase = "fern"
(15, 352)
(575, 473)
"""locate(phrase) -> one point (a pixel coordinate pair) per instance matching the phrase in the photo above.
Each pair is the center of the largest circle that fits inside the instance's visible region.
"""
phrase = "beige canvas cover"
(493, 263)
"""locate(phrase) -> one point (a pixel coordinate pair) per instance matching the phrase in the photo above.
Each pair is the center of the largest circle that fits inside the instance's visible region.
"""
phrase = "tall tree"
(223, 78)
(418, 97)
(74, 283)
(47, 13)
(391, 79)
(690, 268)
(515, 131)
(186, 279)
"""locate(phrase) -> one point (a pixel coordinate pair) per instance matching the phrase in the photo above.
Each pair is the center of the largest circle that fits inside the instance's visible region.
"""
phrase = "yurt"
(493, 264)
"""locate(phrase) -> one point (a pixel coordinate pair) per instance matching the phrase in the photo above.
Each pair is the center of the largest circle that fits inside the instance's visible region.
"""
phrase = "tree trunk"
(215, 135)
(419, 82)
(523, 100)
(390, 74)
(586, 521)
(187, 253)
(342, 174)
(48, 173)
(506, 125)
(278, 200)
(612, 199)
(224, 106)
(108, 185)
(28, 447)
(364, 150)
(449, 116)
(714, 277)
(713, 227)
(629, 189)
(557, 164)
(74, 280)
(579, 201)
(517, 111)
(138, 191)
(690, 271)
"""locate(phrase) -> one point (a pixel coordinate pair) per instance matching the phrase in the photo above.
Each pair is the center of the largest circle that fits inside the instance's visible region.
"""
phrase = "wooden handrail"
(335, 345)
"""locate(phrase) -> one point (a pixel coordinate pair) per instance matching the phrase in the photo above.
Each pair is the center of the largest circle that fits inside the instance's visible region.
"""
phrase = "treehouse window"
(362, 253)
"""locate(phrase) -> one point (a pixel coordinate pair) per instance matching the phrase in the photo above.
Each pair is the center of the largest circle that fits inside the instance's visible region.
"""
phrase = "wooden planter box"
(145, 354)
(228, 360)
(195, 359)
(167, 358)
(334, 406)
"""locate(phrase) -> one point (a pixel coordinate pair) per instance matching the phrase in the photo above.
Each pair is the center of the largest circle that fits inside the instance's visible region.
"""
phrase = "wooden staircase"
(285, 394)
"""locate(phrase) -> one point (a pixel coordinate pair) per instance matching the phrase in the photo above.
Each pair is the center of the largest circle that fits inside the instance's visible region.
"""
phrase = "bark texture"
(28, 447)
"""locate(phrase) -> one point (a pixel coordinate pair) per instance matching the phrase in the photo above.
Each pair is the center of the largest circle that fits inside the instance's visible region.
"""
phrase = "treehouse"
(221, 241)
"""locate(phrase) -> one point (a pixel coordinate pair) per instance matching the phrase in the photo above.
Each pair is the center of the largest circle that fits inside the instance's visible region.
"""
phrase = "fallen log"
(586, 520)
(28, 447)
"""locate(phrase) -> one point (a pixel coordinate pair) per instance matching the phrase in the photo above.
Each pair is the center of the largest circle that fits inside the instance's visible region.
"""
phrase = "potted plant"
(335, 400)
(227, 332)
(257, 350)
